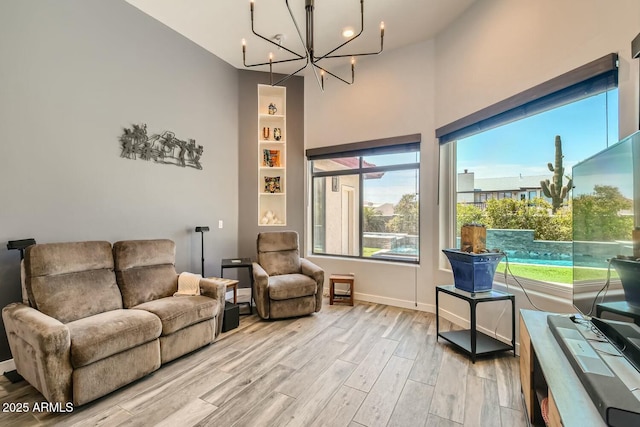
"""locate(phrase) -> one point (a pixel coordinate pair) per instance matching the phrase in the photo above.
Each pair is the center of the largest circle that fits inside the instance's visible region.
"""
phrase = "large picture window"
(365, 199)
(513, 167)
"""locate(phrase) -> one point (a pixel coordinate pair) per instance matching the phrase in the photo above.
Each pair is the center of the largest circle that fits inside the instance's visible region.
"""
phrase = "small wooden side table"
(348, 279)
(229, 283)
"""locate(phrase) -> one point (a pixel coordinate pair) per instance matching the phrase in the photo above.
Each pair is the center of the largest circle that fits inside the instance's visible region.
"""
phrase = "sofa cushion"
(69, 281)
(177, 313)
(139, 285)
(281, 262)
(289, 286)
(272, 241)
(105, 334)
(145, 270)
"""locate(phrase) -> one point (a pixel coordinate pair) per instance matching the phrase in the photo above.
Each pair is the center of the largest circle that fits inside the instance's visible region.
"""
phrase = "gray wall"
(248, 227)
(73, 73)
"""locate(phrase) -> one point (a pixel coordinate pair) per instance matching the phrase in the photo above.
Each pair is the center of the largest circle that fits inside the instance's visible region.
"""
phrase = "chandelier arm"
(352, 55)
(285, 78)
(278, 45)
(327, 55)
(319, 79)
(276, 62)
(271, 41)
(336, 76)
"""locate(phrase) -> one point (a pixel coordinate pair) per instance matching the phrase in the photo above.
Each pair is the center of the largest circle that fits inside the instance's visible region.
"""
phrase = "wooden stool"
(341, 278)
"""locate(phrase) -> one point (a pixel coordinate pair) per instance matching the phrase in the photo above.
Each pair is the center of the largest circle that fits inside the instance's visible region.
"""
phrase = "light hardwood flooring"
(367, 365)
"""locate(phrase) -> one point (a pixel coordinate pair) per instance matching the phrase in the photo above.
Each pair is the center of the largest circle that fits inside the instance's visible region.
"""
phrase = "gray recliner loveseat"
(100, 317)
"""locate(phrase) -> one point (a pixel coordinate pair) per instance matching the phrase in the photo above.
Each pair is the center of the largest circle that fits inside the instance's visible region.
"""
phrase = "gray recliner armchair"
(285, 285)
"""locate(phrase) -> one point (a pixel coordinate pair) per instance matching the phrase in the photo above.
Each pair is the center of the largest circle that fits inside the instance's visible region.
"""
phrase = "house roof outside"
(385, 209)
(509, 183)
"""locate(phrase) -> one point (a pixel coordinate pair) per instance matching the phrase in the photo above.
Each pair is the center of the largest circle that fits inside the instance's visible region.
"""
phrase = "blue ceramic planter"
(473, 272)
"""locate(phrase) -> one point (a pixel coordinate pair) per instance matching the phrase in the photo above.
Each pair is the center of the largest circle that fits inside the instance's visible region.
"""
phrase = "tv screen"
(605, 206)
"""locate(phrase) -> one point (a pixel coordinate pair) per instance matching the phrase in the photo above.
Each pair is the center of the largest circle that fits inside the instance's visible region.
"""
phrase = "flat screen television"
(606, 274)
(606, 213)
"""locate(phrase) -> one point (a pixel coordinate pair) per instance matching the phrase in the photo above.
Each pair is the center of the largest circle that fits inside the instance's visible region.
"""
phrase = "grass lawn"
(367, 252)
(545, 273)
(548, 273)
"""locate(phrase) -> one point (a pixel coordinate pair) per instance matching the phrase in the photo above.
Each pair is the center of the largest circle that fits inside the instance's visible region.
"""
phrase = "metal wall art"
(164, 148)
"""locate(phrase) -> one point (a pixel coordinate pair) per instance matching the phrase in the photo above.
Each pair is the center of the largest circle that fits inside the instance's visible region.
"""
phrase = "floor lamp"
(19, 245)
(201, 230)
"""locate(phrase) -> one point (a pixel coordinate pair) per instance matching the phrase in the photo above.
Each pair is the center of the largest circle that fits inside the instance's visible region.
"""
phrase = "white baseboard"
(394, 302)
(7, 365)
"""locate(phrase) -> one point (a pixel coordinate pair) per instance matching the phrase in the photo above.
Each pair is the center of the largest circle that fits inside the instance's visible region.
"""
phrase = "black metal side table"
(239, 263)
(471, 341)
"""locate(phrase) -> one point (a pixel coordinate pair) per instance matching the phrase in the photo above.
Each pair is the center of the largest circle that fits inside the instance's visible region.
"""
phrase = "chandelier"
(309, 56)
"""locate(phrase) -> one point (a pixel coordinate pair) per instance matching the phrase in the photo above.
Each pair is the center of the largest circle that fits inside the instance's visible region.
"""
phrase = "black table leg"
(513, 324)
(473, 331)
(437, 316)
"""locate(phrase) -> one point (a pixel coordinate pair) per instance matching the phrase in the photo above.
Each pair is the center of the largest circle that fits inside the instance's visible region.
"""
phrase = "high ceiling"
(220, 25)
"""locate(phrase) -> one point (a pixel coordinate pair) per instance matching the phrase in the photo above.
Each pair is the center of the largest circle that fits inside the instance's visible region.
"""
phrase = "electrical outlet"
(220, 224)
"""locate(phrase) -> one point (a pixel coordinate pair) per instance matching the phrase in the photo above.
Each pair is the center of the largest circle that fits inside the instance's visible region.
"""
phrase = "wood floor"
(367, 365)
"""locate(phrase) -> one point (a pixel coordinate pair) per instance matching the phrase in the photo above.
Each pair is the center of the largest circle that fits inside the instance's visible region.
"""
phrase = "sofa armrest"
(41, 349)
(312, 270)
(317, 274)
(261, 290)
(216, 290)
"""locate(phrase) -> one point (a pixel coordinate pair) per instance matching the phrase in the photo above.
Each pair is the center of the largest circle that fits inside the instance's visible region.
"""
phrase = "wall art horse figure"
(165, 148)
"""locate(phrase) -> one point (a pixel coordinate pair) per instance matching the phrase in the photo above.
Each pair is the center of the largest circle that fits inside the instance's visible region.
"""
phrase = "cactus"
(555, 190)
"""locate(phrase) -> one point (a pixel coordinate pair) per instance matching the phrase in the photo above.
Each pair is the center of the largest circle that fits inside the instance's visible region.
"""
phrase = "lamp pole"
(201, 230)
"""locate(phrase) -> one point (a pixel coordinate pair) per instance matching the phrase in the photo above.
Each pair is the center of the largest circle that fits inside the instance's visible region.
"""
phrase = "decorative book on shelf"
(272, 184)
(271, 158)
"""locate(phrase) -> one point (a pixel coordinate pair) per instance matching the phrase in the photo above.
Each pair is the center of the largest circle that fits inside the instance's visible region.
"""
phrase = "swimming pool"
(538, 261)
(411, 252)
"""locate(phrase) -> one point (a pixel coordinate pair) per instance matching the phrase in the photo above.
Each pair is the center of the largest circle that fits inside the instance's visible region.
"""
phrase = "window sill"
(377, 261)
(561, 292)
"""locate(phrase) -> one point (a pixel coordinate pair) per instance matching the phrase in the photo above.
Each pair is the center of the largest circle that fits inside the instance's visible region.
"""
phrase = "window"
(365, 199)
(510, 152)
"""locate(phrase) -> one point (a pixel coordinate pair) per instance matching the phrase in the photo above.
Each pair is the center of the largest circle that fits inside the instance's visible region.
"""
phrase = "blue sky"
(522, 147)
(526, 146)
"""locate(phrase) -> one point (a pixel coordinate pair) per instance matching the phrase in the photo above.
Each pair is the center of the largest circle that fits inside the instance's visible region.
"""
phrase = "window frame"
(595, 77)
(400, 144)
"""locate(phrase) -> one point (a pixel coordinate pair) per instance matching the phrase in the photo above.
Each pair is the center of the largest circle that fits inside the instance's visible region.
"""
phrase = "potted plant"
(473, 266)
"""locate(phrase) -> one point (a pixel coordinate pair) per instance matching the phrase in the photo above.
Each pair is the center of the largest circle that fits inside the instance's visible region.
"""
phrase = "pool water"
(410, 250)
(537, 261)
